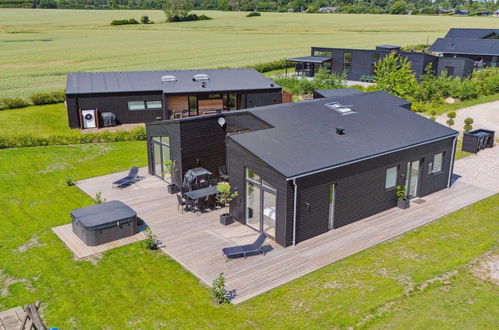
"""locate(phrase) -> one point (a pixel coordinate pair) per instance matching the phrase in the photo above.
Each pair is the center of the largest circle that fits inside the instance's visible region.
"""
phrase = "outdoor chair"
(184, 189)
(195, 186)
(181, 203)
(212, 202)
(213, 182)
(204, 184)
(128, 180)
(244, 250)
(223, 174)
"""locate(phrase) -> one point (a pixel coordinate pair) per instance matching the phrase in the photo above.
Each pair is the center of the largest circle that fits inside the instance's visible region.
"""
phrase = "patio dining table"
(201, 193)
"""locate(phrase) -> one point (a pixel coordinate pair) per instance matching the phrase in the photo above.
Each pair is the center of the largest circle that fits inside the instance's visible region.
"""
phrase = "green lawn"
(39, 46)
(130, 287)
(443, 108)
(45, 120)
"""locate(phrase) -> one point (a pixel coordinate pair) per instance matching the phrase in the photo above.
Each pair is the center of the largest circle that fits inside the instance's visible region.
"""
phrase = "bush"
(145, 20)
(419, 107)
(394, 74)
(13, 103)
(467, 124)
(253, 14)
(28, 140)
(467, 89)
(47, 98)
(124, 21)
(218, 290)
(322, 80)
(188, 18)
(271, 66)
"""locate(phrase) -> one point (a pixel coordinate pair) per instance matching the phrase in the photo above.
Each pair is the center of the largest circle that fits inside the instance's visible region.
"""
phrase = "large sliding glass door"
(261, 204)
(161, 155)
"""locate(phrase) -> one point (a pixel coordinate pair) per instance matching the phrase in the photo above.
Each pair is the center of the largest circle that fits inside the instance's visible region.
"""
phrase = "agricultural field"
(434, 276)
(38, 47)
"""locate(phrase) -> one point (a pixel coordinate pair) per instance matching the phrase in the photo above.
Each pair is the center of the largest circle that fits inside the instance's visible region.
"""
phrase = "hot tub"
(103, 223)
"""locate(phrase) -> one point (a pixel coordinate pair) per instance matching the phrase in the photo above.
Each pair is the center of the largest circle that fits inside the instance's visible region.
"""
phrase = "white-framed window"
(136, 105)
(391, 177)
(154, 105)
(437, 163)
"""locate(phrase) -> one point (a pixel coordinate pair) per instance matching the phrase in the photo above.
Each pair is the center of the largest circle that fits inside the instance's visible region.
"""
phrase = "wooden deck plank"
(195, 241)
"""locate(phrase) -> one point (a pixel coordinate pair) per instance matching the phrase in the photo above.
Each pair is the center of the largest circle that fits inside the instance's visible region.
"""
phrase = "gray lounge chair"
(132, 176)
(244, 250)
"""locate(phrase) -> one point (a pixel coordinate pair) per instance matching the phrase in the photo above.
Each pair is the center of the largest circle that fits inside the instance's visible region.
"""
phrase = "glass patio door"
(261, 204)
(412, 180)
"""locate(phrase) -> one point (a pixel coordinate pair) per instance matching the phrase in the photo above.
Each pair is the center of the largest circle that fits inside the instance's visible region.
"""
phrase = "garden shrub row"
(271, 66)
(322, 80)
(124, 21)
(36, 99)
(29, 140)
(188, 18)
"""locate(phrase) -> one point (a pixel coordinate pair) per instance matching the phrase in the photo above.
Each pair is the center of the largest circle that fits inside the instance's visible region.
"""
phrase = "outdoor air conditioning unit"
(89, 118)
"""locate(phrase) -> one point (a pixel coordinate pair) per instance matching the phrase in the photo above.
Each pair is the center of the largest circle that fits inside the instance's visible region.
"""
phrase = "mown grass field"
(38, 47)
(423, 279)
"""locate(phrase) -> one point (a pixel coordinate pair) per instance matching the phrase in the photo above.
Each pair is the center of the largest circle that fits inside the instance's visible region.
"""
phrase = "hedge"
(47, 98)
(29, 140)
(13, 103)
(271, 66)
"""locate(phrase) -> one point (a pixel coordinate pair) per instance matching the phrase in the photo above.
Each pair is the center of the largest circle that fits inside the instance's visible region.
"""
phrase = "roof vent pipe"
(340, 130)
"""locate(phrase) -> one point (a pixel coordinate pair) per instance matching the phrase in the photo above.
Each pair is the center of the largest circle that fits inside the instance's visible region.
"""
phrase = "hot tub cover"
(104, 215)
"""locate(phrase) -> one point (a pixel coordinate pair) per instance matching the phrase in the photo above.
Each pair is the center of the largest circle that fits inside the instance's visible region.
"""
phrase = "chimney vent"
(340, 131)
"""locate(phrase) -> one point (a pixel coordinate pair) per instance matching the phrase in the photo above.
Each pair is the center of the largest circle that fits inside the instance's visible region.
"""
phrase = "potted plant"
(402, 200)
(169, 166)
(224, 197)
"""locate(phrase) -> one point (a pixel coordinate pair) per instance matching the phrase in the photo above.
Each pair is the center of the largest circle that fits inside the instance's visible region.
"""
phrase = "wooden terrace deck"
(195, 240)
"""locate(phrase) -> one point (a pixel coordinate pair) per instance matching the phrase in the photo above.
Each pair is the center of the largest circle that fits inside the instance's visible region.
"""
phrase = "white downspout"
(451, 168)
(295, 199)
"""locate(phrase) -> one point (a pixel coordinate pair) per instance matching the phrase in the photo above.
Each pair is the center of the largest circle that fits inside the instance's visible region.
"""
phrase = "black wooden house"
(304, 168)
(146, 96)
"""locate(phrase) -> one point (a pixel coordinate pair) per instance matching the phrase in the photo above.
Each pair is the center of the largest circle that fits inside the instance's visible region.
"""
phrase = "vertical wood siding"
(360, 188)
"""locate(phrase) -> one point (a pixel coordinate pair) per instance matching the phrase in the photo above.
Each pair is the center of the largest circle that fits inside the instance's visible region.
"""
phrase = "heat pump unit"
(88, 117)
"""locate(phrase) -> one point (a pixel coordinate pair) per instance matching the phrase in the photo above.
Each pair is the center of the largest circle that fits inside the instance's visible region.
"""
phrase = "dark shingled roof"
(148, 81)
(466, 46)
(310, 59)
(470, 33)
(304, 139)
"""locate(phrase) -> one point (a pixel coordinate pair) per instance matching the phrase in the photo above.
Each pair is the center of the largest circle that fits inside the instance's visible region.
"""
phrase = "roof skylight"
(168, 77)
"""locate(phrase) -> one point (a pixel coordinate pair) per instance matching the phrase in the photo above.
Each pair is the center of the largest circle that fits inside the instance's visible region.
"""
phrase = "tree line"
(346, 6)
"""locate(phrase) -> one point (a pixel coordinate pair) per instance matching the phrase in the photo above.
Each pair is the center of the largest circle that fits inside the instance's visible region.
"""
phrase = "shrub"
(467, 124)
(254, 14)
(218, 290)
(401, 193)
(419, 107)
(467, 89)
(69, 181)
(151, 241)
(322, 80)
(145, 20)
(433, 115)
(13, 103)
(47, 98)
(271, 66)
(188, 18)
(21, 141)
(99, 199)
(124, 21)
(225, 196)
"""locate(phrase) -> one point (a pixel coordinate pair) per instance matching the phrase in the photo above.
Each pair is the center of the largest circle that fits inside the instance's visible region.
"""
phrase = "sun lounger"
(243, 250)
(128, 180)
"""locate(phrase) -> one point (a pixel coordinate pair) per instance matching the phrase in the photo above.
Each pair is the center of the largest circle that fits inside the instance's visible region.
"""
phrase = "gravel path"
(481, 169)
(485, 115)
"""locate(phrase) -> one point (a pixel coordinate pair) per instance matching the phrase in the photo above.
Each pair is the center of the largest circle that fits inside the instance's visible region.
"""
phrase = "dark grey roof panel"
(337, 92)
(310, 59)
(304, 136)
(470, 33)
(148, 81)
(466, 46)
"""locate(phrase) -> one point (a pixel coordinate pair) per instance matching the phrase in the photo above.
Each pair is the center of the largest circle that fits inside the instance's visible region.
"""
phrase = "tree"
(177, 8)
(398, 7)
(451, 115)
(394, 75)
